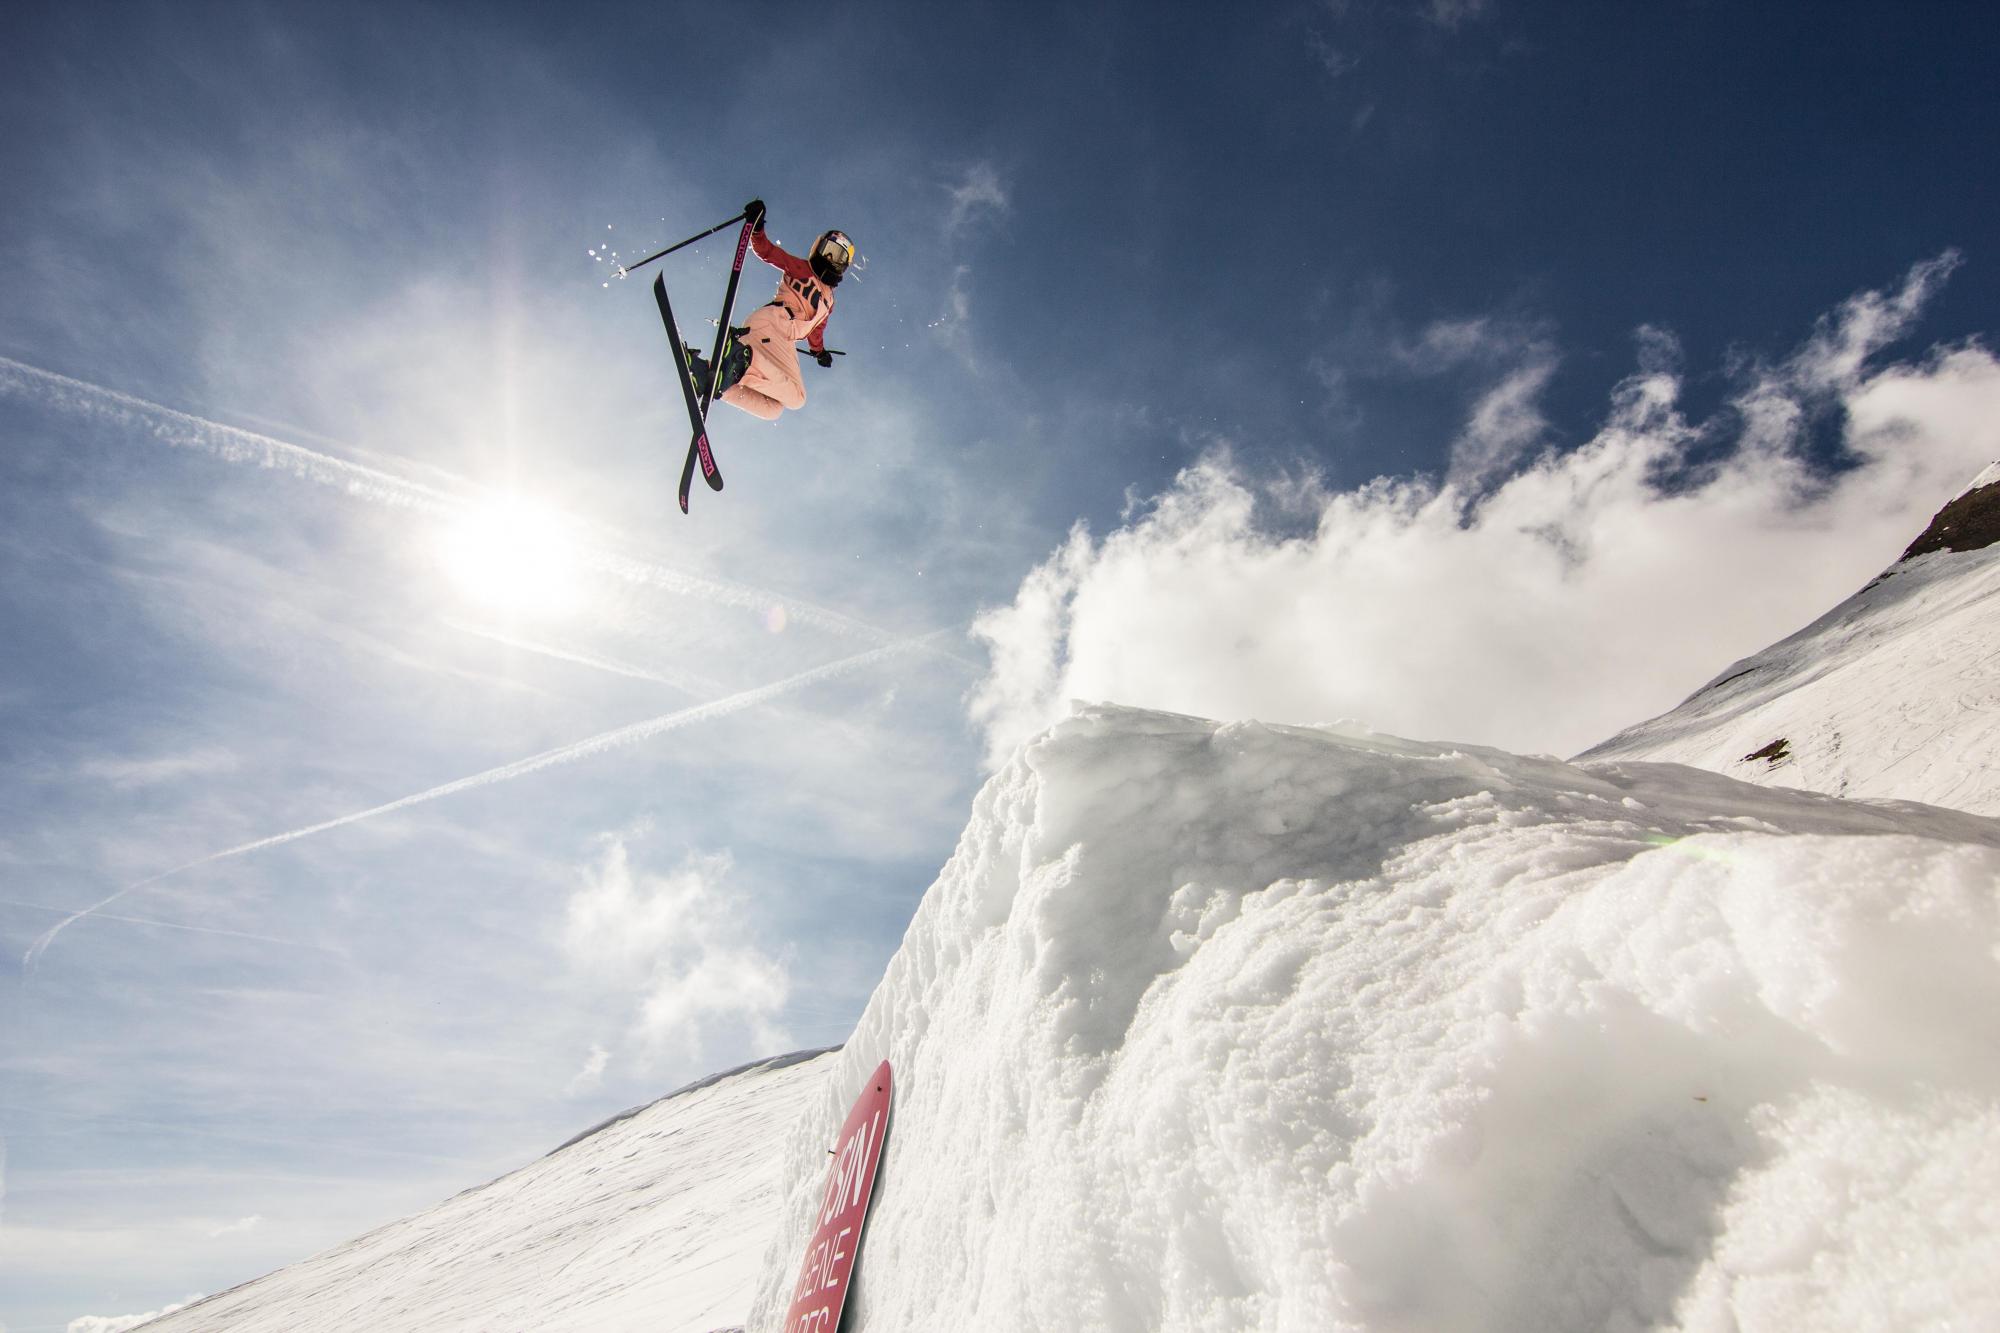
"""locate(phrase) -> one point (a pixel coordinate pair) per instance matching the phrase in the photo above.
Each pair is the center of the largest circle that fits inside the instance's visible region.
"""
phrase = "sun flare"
(513, 556)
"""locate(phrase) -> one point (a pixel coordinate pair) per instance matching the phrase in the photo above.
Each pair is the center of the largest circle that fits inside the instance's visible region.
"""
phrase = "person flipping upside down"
(760, 362)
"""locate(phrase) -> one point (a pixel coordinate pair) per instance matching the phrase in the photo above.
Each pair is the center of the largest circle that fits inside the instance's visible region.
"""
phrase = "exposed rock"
(1969, 523)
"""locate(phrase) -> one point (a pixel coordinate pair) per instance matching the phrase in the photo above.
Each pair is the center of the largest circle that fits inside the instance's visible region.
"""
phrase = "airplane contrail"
(171, 925)
(229, 443)
(232, 444)
(565, 754)
(678, 680)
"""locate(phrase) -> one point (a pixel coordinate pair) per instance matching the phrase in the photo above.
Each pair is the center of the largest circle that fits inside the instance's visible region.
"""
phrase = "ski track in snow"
(566, 754)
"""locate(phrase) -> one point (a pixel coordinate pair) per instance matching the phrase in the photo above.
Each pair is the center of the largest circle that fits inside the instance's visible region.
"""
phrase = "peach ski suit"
(772, 382)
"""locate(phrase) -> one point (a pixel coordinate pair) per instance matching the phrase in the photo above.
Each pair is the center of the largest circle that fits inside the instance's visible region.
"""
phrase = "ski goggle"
(835, 250)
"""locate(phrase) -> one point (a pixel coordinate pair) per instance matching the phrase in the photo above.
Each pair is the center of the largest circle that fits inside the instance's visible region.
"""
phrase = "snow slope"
(1259, 1028)
(1895, 692)
(656, 1220)
(1286, 1028)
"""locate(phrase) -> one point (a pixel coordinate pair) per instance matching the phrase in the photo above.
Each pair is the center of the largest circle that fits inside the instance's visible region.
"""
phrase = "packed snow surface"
(1282, 1028)
(1895, 692)
(656, 1221)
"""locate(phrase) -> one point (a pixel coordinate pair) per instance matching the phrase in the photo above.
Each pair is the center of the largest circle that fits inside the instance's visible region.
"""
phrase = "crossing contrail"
(566, 754)
(229, 443)
(171, 925)
(232, 444)
(679, 680)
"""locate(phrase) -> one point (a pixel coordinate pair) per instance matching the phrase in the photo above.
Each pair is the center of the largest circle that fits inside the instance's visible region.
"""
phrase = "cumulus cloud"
(1572, 595)
(679, 943)
(118, 1323)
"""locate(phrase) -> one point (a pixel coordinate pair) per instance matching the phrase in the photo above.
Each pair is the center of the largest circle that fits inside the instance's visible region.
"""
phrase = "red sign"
(843, 1209)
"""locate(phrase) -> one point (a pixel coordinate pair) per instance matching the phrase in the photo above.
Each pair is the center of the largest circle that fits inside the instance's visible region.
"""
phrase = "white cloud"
(953, 326)
(1833, 357)
(118, 1323)
(1452, 13)
(679, 942)
(1506, 421)
(1479, 341)
(979, 191)
(1576, 595)
(592, 1073)
(1331, 58)
(240, 1227)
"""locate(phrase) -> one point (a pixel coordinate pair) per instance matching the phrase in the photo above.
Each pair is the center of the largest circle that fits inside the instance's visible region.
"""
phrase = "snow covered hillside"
(654, 1221)
(1243, 1027)
(1280, 1028)
(1895, 692)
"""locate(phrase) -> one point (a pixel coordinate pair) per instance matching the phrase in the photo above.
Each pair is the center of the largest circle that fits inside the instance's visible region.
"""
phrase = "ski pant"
(773, 381)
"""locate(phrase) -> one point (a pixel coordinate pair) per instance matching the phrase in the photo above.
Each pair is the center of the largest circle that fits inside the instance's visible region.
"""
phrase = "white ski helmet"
(831, 254)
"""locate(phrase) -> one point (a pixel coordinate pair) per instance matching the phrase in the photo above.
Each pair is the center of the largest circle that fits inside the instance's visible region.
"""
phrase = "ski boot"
(735, 359)
(699, 372)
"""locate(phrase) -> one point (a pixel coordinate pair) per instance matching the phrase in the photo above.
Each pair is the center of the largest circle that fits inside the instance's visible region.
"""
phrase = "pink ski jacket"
(805, 298)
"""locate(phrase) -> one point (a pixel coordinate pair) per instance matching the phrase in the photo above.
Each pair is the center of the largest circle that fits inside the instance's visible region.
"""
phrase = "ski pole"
(624, 269)
(835, 351)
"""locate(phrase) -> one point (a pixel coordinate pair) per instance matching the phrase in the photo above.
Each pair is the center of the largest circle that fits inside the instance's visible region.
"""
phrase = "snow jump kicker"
(824, 1277)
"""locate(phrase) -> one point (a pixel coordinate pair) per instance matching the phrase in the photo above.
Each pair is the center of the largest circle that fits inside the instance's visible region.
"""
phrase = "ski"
(699, 450)
(697, 409)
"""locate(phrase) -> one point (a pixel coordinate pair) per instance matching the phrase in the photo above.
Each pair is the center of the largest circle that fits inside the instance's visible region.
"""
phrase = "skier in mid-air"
(760, 362)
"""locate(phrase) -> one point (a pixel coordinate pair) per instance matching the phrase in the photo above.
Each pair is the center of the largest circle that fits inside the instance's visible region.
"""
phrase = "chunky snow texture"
(1257, 1028)
(1894, 693)
(655, 1221)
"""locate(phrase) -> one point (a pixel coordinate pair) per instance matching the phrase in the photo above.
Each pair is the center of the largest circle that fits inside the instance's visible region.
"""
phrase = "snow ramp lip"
(770, 1064)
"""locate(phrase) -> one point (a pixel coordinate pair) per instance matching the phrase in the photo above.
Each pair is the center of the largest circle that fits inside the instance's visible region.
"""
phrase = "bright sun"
(513, 556)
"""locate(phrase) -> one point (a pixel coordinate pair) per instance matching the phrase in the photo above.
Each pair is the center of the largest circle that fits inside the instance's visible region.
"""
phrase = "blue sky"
(336, 470)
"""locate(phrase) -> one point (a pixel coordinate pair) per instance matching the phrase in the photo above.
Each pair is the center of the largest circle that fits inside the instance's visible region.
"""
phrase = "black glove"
(824, 357)
(754, 210)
